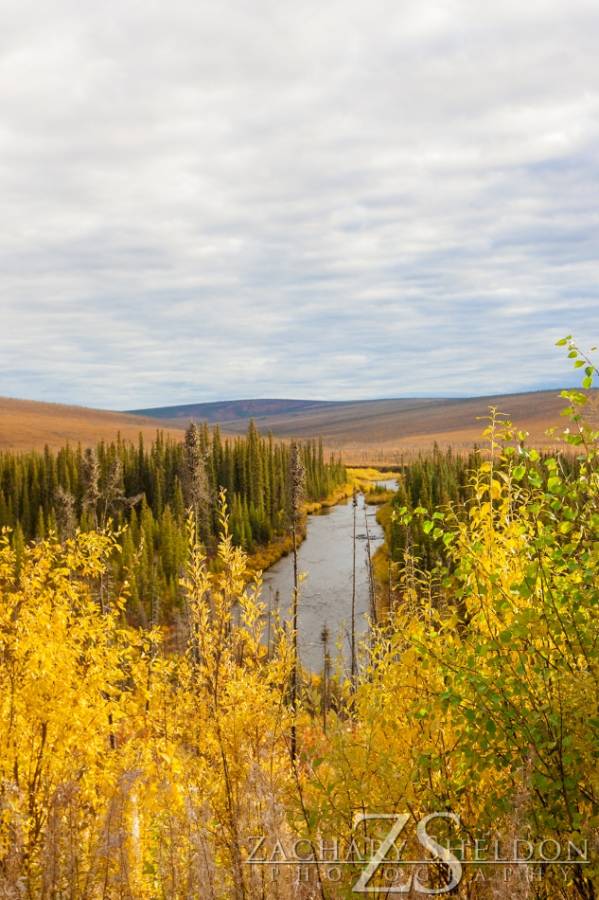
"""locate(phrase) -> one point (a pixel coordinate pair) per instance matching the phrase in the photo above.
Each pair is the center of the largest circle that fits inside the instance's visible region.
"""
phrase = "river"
(326, 560)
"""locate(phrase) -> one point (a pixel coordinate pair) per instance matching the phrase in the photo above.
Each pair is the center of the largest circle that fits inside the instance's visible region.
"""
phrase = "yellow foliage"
(128, 771)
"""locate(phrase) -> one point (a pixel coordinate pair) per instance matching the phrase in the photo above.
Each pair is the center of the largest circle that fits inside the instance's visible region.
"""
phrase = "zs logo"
(413, 883)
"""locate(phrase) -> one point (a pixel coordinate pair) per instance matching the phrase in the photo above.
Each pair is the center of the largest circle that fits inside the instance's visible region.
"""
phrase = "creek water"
(325, 558)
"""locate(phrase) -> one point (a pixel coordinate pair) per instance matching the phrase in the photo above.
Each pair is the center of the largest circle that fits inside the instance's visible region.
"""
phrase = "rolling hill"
(220, 411)
(377, 431)
(29, 424)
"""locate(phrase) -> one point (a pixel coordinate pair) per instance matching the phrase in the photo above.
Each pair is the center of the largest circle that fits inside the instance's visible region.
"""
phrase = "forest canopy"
(128, 770)
(144, 492)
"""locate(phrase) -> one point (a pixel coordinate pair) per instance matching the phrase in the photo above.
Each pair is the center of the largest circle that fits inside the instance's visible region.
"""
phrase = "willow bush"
(129, 771)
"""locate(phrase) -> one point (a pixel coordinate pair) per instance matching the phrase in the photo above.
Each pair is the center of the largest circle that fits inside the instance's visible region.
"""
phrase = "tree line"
(444, 481)
(145, 493)
(131, 771)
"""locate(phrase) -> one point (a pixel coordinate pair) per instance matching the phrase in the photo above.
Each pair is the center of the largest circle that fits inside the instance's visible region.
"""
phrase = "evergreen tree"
(145, 490)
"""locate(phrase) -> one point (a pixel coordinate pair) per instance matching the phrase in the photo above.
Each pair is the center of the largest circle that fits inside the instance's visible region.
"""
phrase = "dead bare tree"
(66, 519)
(297, 479)
(196, 486)
(326, 671)
(353, 593)
(91, 484)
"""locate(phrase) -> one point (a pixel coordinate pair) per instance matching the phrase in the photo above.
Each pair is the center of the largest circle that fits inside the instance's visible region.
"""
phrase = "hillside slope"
(383, 420)
(377, 431)
(232, 410)
(381, 428)
(28, 424)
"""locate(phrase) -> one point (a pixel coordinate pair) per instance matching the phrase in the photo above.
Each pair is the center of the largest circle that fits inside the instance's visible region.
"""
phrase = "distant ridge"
(393, 424)
(230, 410)
(364, 431)
(31, 424)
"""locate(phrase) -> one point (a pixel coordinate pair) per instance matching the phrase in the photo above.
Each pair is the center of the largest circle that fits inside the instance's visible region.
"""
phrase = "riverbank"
(265, 557)
(360, 479)
(382, 565)
(381, 496)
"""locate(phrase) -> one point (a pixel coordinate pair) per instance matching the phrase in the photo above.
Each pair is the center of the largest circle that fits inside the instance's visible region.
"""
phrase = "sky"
(326, 200)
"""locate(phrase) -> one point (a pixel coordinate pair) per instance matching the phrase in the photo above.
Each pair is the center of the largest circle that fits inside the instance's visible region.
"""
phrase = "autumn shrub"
(130, 769)
(127, 771)
(481, 694)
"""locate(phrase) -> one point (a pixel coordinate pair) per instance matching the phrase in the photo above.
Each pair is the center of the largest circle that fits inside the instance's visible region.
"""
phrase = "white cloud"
(329, 200)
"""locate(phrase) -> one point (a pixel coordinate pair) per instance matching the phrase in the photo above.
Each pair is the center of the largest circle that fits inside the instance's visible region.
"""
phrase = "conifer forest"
(143, 493)
(299, 450)
(465, 736)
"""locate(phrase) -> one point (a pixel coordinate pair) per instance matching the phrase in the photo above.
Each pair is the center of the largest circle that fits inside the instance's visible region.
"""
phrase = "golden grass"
(383, 423)
(340, 493)
(29, 425)
(364, 478)
(264, 557)
(366, 474)
(389, 432)
(378, 498)
(367, 434)
(381, 562)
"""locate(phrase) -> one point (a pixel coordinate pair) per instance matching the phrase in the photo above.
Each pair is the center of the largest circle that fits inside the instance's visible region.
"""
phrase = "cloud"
(339, 200)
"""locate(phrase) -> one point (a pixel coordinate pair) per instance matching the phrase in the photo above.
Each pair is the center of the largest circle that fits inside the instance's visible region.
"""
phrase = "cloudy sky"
(210, 200)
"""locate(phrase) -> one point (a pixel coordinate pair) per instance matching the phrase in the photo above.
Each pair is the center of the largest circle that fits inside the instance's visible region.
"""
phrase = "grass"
(380, 563)
(29, 425)
(265, 557)
(359, 479)
(368, 433)
(383, 427)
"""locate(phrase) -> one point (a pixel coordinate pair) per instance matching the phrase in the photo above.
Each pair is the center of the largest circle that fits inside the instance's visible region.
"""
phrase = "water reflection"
(326, 558)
